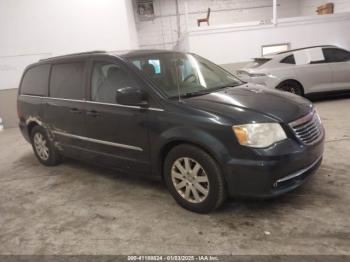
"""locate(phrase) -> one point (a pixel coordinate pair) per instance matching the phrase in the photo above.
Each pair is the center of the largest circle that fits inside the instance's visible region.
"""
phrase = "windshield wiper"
(208, 91)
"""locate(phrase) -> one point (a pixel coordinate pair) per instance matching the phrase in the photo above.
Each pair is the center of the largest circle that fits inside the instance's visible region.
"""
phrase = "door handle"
(75, 110)
(93, 113)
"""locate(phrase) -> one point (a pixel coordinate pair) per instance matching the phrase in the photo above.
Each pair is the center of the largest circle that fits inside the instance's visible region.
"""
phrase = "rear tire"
(43, 148)
(291, 87)
(194, 179)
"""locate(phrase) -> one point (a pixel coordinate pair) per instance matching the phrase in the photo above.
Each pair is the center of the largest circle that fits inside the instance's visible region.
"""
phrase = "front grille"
(308, 129)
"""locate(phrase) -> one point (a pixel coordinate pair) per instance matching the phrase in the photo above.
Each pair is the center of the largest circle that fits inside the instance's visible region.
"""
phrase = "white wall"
(161, 32)
(309, 7)
(32, 29)
(229, 44)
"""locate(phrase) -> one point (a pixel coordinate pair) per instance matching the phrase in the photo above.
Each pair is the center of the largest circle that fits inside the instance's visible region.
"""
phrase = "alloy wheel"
(40, 145)
(190, 180)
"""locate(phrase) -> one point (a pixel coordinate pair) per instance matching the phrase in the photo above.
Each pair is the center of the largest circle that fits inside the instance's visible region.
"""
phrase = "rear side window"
(288, 60)
(36, 81)
(67, 81)
(333, 55)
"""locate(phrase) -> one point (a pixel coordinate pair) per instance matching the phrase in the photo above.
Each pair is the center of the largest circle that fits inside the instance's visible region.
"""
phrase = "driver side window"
(107, 78)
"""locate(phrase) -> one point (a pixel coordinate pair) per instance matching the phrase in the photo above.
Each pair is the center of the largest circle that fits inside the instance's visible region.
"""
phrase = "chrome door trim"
(99, 103)
(34, 96)
(65, 99)
(155, 109)
(55, 98)
(98, 141)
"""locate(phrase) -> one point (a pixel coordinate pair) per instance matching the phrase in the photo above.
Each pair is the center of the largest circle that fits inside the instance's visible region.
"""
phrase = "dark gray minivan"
(174, 115)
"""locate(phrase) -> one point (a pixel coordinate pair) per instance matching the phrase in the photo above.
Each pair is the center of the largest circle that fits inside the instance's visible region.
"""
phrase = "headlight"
(259, 135)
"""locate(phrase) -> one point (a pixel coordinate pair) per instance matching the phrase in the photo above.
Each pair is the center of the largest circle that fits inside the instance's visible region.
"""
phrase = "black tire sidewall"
(212, 170)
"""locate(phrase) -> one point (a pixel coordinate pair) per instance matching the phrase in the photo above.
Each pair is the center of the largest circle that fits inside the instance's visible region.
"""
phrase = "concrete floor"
(80, 209)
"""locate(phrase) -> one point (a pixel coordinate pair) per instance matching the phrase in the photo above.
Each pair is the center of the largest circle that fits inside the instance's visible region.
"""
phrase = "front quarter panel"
(186, 125)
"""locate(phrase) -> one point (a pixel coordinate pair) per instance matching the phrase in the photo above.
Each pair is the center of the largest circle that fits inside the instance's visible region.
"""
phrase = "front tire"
(194, 179)
(43, 148)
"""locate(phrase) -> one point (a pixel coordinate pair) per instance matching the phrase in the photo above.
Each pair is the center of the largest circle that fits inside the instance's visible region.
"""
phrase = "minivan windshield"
(183, 75)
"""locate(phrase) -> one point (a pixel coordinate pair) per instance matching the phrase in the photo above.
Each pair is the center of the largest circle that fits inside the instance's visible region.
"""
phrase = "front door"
(118, 134)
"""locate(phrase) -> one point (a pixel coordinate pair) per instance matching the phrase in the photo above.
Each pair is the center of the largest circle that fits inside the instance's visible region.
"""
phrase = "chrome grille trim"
(308, 129)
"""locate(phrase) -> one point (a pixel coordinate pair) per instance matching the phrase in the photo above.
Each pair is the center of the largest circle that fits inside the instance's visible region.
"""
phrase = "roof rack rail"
(74, 54)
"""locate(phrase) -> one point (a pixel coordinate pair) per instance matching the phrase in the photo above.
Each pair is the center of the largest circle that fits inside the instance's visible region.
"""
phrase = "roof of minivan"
(141, 52)
(68, 56)
(125, 53)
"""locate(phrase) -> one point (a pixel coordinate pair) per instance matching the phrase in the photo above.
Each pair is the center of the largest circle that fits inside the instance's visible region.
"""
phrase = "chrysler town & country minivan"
(173, 115)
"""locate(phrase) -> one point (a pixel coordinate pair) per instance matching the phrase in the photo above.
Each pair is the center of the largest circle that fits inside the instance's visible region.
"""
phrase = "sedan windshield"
(183, 75)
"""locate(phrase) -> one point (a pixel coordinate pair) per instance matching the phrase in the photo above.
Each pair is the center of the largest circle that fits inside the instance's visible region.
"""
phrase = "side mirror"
(131, 96)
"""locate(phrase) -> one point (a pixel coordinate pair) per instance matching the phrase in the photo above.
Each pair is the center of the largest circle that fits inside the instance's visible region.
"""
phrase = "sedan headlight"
(259, 135)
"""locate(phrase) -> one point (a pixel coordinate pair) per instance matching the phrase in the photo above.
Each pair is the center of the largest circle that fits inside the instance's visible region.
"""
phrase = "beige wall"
(8, 109)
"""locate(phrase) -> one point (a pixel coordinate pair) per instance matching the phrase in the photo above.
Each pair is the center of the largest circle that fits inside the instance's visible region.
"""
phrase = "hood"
(280, 106)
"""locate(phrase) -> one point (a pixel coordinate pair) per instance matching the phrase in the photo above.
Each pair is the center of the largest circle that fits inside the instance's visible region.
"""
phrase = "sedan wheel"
(291, 87)
(190, 180)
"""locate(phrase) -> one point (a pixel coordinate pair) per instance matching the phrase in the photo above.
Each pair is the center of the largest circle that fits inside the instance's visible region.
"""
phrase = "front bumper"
(273, 175)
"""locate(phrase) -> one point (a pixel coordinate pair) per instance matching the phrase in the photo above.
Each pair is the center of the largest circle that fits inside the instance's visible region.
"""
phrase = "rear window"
(35, 81)
(67, 81)
(288, 60)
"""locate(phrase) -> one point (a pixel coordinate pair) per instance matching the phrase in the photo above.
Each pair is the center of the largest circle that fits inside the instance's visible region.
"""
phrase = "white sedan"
(302, 71)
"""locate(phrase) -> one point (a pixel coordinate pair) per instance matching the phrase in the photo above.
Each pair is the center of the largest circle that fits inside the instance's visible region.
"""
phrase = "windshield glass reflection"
(179, 74)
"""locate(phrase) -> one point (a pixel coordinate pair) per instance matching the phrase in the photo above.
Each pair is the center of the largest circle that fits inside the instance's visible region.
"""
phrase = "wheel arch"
(31, 125)
(197, 138)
